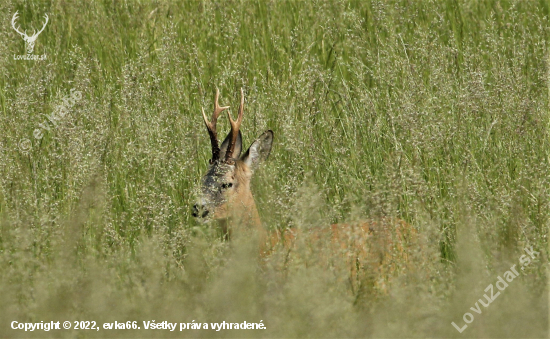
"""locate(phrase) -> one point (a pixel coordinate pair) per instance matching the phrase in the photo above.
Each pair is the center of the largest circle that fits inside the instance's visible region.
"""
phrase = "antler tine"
(44, 26)
(211, 126)
(15, 17)
(235, 126)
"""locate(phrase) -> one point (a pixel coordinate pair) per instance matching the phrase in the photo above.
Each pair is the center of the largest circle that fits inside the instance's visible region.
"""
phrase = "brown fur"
(379, 247)
(378, 250)
(374, 248)
(240, 209)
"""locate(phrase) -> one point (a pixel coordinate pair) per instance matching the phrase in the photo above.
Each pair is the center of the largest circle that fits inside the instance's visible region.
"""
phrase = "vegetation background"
(435, 112)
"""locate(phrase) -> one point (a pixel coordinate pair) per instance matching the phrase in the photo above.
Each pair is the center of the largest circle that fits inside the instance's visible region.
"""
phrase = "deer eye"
(227, 185)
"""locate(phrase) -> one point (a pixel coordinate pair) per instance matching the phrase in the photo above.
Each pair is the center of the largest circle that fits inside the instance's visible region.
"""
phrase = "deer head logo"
(29, 40)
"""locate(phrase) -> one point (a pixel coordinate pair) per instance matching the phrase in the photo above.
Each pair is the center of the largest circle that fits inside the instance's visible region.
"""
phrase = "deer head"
(29, 40)
(225, 191)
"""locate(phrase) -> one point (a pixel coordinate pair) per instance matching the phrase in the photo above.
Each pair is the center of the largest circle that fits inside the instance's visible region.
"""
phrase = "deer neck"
(245, 215)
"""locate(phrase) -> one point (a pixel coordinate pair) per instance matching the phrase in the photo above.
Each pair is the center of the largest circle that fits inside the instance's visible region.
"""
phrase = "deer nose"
(199, 210)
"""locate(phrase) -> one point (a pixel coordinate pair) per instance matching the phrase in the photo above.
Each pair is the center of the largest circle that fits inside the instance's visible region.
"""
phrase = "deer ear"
(238, 146)
(259, 150)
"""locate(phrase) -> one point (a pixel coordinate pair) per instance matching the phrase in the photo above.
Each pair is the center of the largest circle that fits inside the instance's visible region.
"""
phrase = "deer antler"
(235, 126)
(15, 17)
(211, 126)
(36, 34)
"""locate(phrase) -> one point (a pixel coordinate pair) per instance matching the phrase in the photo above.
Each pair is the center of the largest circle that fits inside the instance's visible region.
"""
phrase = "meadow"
(433, 112)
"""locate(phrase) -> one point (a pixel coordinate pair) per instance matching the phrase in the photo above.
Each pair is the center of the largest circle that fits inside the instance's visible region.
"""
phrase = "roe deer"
(375, 246)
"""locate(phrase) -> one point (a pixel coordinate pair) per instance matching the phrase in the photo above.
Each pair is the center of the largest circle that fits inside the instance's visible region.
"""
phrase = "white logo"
(29, 40)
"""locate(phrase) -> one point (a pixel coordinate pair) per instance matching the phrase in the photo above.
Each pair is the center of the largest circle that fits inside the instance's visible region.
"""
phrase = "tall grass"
(435, 112)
